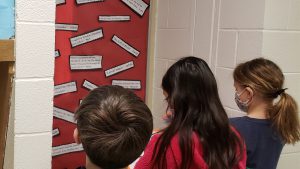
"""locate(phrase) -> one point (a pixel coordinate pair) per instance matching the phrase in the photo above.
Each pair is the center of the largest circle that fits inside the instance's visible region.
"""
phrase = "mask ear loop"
(250, 92)
(239, 94)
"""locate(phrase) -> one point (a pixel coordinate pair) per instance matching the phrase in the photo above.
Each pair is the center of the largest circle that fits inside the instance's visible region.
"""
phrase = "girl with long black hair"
(199, 135)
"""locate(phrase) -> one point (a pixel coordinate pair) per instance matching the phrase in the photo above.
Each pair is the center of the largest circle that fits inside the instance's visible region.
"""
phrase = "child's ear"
(76, 136)
(250, 91)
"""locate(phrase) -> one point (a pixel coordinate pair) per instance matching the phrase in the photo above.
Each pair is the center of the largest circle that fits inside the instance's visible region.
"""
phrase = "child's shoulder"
(235, 120)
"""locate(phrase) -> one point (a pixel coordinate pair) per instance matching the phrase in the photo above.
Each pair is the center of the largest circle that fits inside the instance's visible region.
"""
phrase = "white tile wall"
(35, 10)
(280, 45)
(228, 32)
(278, 8)
(294, 15)
(249, 45)
(160, 67)
(163, 12)
(225, 86)
(31, 151)
(288, 149)
(33, 100)
(159, 108)
(246, 14)
(173, 43)
(34, 50)
(30, 138)
(180, 13)
(203, 29)
(292, 82)
(227, 49)
(289, 161)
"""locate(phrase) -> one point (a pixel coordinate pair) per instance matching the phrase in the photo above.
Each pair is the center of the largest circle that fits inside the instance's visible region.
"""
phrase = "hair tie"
(280, 91)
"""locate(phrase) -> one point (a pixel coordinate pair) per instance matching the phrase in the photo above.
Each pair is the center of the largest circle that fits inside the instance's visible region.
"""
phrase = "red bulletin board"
(98, 42)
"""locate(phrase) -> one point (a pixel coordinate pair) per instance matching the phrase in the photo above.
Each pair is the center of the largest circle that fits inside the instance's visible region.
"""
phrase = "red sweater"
(173, 159)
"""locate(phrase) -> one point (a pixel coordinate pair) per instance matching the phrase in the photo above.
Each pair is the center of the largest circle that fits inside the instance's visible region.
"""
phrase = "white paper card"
(65, 88)
(125, 46)
(67, 148)
(114, 18)
(128, 84)
(59, 2)
(85, 62)
(55, 132)
(87, 1)
(89, 85)
(119, 68)
(138, 6)
(63, 114)
(57, 53)
(85, 38)
(66, 27)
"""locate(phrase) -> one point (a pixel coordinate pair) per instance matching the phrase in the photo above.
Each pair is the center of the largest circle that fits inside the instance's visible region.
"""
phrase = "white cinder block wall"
(30, 132)
(225, 33)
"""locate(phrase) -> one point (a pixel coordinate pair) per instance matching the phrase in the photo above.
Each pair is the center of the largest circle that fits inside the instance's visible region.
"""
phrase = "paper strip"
(57, 53)
(67, 148)
(125, 46)
(89, 85)
(79, 2)
(128, 84)
(60, 2)
(66, 27)
(85, 62)
(55, 132)
(85, 38)
(138, 6)
(63, 114)
(114, 18)
(65, 88)
(119, 68)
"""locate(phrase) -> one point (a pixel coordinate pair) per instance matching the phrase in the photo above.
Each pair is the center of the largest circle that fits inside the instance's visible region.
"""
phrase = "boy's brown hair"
(114, 126)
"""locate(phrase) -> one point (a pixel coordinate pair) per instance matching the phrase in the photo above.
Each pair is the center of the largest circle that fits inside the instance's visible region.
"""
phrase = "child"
(199, 135)
(272, 116)
(114, 126)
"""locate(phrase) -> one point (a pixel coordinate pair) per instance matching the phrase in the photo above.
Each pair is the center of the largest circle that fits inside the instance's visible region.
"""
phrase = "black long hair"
(193, 94)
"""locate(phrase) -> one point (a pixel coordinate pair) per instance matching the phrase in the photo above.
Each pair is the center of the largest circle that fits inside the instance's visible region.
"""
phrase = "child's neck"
(258, 111)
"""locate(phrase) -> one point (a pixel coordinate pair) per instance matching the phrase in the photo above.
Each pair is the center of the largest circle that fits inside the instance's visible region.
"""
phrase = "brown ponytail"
(285, 118)
(267, 79)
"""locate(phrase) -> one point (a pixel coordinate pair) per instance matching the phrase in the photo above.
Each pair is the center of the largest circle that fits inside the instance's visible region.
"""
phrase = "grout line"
(261, 29)
(226, 68)
(33, 134)
(159, 88)
(35, 23)
(168, 10)
(289, 15)
(236, 48)
(194, 27)
(291, 73)
(217, 40)
(290, 153)
(34, 79)
(172, 28)
(212, 32)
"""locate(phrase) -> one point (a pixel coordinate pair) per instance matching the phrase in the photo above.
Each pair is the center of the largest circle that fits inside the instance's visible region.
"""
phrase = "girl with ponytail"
(272, 115)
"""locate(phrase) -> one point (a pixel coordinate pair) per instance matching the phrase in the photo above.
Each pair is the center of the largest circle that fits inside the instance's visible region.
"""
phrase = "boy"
(114, 127)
